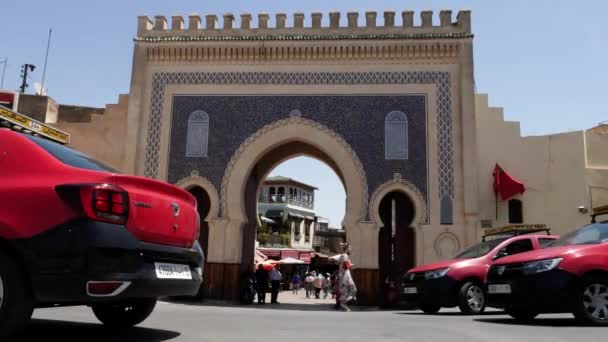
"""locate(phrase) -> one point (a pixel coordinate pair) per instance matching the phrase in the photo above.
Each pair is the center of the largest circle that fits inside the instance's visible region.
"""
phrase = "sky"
(544, 61)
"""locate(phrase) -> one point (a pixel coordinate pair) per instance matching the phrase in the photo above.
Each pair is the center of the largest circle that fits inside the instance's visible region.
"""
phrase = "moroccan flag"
(505, 185)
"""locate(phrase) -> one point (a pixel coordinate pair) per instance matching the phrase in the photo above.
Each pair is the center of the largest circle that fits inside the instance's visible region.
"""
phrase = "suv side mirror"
(500, 254)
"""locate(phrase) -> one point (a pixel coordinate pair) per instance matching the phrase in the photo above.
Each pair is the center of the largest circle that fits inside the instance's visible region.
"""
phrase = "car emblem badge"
(501, 270)
(175, 207)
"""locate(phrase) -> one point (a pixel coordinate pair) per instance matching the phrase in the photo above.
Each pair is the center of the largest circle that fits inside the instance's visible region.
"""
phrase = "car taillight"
(110, 203)
(101, 202)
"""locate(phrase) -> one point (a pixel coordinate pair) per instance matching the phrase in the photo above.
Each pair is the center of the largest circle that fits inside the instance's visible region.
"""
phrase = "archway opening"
(203, 206)
(295, 201)
(396, 241)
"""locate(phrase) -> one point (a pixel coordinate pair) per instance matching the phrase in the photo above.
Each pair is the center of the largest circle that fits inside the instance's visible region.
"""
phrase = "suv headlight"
(436, 273)
(540, 266)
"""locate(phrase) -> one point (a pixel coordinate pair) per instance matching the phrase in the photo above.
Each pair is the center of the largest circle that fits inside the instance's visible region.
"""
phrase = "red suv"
(570, 275)
(75, 232)
(460, 281)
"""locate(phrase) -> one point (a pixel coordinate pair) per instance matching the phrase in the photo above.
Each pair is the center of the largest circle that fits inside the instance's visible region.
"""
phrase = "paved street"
(293, 321)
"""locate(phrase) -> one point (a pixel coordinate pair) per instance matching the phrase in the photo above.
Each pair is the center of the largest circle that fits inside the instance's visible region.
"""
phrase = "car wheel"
(471, 299)
(592, 306)
(16, 303)
(522, 315)
(430, 309)
(124, 314)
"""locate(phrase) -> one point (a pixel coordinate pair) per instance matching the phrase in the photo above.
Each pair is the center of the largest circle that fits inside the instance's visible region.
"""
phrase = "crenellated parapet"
(280, 26)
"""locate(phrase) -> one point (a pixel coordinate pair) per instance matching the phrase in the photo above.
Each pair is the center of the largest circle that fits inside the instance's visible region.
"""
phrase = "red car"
(75, 232)
(570, 275)
(460, 281)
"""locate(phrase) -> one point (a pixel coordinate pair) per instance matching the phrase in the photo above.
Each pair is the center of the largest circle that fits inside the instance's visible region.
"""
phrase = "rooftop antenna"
(5, 62)
(46, 57)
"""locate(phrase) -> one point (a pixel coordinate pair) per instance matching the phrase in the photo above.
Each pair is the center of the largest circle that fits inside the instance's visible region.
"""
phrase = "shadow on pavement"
(41, 329)
(450, 313)
(538, 322)
(268, 306)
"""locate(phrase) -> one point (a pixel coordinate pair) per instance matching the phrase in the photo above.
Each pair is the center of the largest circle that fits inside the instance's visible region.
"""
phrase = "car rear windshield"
(479, 249)
(592, 234)
(70, 156)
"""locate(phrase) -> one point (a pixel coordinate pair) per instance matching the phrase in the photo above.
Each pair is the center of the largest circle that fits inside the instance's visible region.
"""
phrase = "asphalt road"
(303, 322)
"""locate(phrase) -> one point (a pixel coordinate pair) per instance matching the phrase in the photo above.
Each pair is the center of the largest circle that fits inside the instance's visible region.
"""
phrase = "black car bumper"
(545, 292)
(441, 291)
(61, 261)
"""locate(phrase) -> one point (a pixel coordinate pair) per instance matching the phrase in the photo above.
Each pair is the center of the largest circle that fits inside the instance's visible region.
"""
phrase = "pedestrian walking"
(275, 281)
(326, 285)
(318, 284)
(261, 278)
(308, 284)
(295, 283)
(347, 290)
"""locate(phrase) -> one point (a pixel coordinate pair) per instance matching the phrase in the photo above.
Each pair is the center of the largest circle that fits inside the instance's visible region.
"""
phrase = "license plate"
(410, 290)
(499, 288)
(172, 271)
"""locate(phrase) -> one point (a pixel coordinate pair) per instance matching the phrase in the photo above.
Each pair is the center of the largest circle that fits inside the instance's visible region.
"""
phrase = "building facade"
(287, 209)
(387, 104)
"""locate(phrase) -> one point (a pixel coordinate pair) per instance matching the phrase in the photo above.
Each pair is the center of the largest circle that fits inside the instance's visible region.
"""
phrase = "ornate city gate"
(389, 107)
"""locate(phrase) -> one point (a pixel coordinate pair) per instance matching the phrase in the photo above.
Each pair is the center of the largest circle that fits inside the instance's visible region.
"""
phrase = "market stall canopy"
(290, 261)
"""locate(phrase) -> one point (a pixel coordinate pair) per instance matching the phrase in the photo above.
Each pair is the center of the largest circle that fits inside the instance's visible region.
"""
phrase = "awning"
(310, 218)
(259, 257)
(267, 220)
(322, 255)
(274, 213)
(271, 253)
(305, 256)
(290, 254)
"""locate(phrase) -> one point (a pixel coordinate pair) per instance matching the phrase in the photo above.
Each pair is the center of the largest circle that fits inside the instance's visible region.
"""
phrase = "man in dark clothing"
(261, 278)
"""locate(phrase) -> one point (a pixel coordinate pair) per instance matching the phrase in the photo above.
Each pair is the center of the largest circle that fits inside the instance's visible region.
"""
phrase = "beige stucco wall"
(103, 137)
(553, 168)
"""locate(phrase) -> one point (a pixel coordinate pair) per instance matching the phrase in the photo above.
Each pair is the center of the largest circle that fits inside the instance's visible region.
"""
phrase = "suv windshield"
(588, 235)
(479, 249)
(70, 156)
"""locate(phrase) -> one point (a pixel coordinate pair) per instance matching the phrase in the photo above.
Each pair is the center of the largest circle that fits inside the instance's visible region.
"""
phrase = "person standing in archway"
(347, 290)
(275, 280)
(261, 277)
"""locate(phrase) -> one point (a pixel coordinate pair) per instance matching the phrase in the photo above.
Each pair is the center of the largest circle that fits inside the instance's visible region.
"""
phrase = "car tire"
(121, 315)
(16, 302)
(429, 309)
(522, 315)
(591, 307)
(471, 298)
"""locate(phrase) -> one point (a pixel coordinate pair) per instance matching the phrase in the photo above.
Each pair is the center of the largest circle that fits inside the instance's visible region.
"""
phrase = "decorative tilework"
(440, 79)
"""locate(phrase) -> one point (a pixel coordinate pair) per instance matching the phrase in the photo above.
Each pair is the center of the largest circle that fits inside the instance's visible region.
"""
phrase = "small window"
(517, 247)
(281, 195)
(516, 214)
(198, 134)
(544, 242)
(395, 136)
(272, 195)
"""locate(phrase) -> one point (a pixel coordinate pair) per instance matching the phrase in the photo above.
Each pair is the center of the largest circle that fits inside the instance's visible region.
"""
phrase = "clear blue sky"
(544, 61)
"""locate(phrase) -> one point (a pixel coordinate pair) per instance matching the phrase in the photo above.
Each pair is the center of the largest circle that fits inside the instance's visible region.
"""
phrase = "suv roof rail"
(24, 124)
(516, 229)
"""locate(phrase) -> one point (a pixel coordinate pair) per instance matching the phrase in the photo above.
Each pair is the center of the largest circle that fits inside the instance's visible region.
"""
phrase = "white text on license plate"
(410, 290)
(499, 288)
(172, 271)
